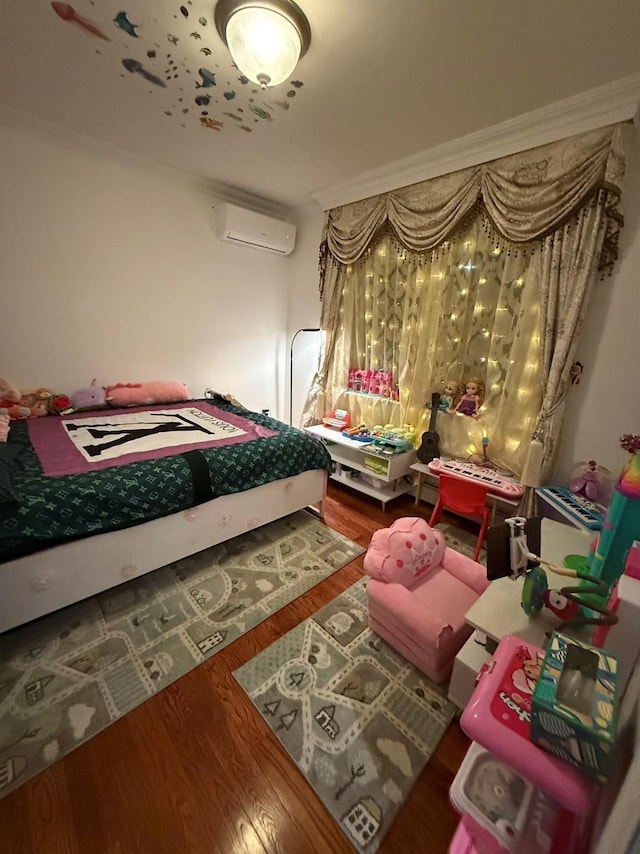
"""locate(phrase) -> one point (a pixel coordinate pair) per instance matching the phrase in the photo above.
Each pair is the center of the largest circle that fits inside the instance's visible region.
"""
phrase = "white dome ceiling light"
(266, 38)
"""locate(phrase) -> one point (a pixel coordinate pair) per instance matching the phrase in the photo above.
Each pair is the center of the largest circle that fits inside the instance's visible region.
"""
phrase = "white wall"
(112, 270)
(606, 402)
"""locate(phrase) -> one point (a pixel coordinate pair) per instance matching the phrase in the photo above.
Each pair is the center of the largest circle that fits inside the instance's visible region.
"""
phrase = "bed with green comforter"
(38, 511)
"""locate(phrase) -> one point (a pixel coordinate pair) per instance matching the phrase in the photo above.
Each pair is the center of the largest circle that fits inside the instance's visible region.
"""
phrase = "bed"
(73, 525)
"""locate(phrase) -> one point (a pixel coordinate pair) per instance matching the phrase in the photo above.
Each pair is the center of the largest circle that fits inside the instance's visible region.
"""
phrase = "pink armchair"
(419, 592)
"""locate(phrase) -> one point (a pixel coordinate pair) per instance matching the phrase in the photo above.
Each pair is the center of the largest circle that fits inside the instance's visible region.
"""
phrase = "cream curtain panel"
(552, 210)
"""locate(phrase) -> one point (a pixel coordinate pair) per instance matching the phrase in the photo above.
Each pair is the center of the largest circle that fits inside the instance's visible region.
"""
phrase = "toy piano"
(337, 419)
(498, 484)
(581, 509)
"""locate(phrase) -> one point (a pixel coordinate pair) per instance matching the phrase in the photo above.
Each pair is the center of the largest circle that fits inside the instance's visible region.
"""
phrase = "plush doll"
(59, 404)
(36, 401)
(141, 394)
(92, 397)
(10, 401)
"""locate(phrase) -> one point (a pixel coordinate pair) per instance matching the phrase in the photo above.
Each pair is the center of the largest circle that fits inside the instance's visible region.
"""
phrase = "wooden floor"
(195, 769)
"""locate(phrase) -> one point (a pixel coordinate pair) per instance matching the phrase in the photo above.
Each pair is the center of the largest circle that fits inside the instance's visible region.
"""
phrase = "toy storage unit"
(514, 796)
(359, 468)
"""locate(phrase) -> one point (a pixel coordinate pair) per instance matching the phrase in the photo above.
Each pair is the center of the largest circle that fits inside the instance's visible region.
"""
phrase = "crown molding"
(605, 105)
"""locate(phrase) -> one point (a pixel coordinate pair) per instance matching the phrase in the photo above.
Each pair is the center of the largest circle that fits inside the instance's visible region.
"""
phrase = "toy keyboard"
(581, 509)
(498, 484)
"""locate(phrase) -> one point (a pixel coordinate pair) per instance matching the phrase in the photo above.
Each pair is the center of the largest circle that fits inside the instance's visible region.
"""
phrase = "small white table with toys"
(361, 467)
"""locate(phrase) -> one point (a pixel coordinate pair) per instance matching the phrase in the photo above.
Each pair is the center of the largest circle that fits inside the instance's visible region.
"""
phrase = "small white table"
(498, 612)
(350, 458)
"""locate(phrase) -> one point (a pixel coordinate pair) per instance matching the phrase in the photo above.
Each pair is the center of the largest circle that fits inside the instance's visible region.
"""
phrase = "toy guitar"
(429, 447)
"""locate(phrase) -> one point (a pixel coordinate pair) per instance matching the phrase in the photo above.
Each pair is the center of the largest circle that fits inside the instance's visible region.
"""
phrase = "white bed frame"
(40, 583)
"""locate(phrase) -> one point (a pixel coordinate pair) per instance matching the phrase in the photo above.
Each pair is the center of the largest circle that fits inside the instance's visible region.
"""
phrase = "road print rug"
(358, 720)
(67, 676)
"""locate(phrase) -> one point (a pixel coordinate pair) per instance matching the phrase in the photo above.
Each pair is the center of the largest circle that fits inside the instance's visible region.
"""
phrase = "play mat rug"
(67, 676)
(358, 720)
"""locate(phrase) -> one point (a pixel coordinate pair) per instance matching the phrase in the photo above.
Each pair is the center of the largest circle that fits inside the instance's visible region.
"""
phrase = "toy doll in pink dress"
(471, 400)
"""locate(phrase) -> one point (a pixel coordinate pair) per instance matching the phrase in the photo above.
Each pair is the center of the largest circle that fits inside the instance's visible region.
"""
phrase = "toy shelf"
(349, 454)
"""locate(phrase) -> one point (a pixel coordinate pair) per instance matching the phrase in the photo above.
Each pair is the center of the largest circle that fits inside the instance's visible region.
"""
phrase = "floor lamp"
(306, 329)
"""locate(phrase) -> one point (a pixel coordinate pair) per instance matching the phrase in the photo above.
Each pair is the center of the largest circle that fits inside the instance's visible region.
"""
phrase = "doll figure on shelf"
(448, 397)
(471, 400)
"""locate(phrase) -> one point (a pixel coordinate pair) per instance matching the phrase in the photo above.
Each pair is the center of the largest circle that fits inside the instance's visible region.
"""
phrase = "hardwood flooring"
(193, 770)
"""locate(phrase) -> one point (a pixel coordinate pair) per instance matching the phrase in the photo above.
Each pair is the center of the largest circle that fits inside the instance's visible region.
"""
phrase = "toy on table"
(588, 480)
(472, 399)
(337, 419)
(574, 711)
(359, 434)
(448, 398)
(510, 553)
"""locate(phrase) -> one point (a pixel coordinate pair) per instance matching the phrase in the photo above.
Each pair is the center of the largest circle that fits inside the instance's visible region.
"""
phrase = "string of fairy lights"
(470, 293)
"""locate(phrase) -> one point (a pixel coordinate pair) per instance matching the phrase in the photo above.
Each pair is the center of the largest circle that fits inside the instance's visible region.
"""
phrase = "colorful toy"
(574, 712)
(498, 716)
(622, 524)
(378, 382)
(472, 399)
(588, 480)
(91, 397)
(337, 419)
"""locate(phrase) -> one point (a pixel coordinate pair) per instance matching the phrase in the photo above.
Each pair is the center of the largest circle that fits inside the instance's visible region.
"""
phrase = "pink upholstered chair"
(419, 592)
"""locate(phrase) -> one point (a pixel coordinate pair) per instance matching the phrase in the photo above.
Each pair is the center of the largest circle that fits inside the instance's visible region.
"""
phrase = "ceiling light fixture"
(266, 38)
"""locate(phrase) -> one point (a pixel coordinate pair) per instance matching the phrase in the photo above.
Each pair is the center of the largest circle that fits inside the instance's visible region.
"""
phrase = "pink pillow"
(405, 551)
(138, 394)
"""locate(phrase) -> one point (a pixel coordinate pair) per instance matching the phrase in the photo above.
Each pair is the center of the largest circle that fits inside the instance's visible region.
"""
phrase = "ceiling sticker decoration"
(196, 79)
(68, 13)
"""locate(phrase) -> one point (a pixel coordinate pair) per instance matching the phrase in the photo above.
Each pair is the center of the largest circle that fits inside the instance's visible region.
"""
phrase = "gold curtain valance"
(526, 196)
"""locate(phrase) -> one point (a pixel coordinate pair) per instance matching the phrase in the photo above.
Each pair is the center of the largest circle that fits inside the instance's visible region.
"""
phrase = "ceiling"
(382, 80)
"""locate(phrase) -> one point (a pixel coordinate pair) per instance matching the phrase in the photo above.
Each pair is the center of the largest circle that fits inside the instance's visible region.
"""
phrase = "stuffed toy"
(11, 401)
(4, 427)
(91, 397)
(139, 394)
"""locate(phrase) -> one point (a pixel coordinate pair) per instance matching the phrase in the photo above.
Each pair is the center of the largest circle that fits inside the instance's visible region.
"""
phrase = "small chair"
(419, 592)
(464, 497)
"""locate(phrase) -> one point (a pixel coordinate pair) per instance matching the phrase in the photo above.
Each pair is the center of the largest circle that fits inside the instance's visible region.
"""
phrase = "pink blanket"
(89, 441)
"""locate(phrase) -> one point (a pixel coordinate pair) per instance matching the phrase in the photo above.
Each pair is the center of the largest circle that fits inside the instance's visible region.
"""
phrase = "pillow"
(4, 426)
(8, 494)
(138, 394)
(405, 551)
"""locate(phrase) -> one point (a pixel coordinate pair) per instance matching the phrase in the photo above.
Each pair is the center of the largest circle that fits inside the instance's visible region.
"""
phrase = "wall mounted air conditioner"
(247, 228)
